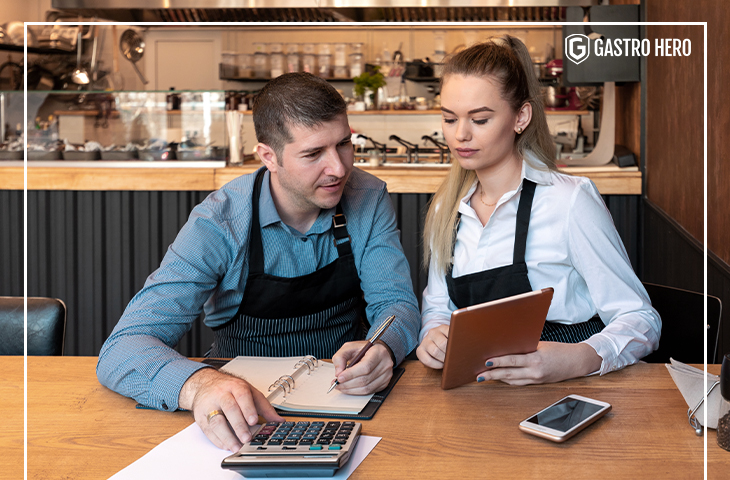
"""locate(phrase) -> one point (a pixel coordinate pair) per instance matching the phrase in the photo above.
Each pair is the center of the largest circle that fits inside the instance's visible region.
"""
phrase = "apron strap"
(339, 230)
(523, 221)
(256, 247)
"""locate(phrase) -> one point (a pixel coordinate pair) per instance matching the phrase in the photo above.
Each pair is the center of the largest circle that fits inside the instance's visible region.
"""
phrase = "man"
(280, 260)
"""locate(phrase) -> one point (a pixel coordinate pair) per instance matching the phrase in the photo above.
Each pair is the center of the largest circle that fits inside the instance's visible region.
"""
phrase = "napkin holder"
(691, 383)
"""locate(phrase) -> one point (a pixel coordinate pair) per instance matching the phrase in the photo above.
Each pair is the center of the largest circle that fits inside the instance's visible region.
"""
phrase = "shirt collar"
(532, 169)
(268, 214)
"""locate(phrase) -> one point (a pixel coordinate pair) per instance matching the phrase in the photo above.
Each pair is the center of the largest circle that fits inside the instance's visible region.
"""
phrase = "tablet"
(507, 326)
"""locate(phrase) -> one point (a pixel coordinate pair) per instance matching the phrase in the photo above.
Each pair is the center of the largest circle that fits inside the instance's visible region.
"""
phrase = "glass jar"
(243, 62)
(340, 54)
(228, 67)
(260, 61)
(723, 419)
(323, 65)
(277, 64)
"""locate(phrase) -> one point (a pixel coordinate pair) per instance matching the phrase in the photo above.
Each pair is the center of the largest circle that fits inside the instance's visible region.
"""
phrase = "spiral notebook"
(296, 384)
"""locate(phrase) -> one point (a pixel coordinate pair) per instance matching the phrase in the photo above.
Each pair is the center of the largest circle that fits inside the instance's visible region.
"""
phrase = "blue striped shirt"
(206, 267)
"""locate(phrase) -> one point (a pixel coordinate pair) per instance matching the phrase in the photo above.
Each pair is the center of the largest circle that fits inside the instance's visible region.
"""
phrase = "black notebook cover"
(367, 413)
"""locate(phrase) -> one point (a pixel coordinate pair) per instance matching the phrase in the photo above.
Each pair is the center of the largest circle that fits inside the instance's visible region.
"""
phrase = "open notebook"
(296, 384)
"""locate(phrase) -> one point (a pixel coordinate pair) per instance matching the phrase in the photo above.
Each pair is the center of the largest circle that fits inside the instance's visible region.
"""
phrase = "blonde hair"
(506, 60)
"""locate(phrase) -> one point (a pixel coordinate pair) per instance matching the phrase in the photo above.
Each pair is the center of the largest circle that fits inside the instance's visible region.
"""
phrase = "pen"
(378, 333)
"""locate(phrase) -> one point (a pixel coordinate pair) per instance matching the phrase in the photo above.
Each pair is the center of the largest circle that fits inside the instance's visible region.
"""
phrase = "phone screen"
(565, 415)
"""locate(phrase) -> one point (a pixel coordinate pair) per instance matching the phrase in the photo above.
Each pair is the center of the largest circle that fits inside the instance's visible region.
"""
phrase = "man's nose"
(335, 164)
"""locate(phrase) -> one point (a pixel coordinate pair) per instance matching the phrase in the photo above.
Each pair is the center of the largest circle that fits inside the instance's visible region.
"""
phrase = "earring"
(519, 130)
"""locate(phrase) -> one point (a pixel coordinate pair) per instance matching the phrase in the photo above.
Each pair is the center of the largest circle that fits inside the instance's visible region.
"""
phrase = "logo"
(577, 47)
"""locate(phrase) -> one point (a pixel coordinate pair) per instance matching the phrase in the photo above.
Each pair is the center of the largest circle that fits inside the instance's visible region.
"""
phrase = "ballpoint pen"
(378, 333)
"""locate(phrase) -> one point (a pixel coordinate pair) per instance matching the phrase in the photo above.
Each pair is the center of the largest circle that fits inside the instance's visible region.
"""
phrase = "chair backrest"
(682, 313)
(46, 326)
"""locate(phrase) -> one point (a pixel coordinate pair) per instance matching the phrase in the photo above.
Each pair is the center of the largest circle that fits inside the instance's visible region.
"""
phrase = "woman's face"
(479, 126)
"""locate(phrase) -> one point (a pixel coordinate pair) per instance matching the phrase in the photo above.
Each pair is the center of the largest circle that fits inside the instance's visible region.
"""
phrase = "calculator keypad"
(313, 436)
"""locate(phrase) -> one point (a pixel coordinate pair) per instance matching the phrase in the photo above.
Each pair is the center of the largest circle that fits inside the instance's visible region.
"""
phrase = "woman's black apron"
(314, 314)
(509, 280)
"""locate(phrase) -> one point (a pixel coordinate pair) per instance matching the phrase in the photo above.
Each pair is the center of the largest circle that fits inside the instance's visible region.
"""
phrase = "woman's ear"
(523, 117)
(267, 156)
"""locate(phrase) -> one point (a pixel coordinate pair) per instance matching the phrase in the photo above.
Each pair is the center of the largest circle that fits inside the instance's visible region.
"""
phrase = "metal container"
(555, 96)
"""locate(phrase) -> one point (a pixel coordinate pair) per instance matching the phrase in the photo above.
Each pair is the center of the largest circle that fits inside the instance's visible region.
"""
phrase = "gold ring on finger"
(213, 414)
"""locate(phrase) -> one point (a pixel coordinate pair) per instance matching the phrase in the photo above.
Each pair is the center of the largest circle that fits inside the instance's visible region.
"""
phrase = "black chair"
(682, 313)
(46, 326)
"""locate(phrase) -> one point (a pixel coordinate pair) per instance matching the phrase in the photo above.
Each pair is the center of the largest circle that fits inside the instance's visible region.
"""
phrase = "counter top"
(609, 179)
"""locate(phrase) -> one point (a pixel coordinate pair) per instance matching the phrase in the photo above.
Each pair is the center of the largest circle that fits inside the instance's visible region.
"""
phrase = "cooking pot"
(555, 96)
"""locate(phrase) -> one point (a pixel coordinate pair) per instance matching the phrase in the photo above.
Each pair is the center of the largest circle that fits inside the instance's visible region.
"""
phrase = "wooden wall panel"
(674, 127)
(674, 140)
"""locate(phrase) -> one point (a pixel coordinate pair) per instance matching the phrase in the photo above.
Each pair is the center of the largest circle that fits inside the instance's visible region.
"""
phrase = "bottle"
(723, 419)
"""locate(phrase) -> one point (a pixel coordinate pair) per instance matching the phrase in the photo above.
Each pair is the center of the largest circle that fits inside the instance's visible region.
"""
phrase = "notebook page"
(310, 392)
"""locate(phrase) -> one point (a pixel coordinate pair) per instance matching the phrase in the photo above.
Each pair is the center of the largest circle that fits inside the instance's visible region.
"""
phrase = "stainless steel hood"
(320, 10)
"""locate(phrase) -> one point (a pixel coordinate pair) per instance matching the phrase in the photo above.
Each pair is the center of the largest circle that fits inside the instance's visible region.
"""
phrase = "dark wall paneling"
(624, 211)
(94, 251)
(673, 257)
(11, 243)
(410, 209)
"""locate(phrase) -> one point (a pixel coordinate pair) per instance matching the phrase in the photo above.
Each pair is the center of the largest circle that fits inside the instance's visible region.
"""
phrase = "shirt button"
(304, 239)
(164, 405)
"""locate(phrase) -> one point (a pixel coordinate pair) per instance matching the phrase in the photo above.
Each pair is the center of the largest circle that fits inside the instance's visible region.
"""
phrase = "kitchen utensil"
(15, 34)
(556, 96)
(114, 79)
(94, 66)
(132, 47)
(79, 76)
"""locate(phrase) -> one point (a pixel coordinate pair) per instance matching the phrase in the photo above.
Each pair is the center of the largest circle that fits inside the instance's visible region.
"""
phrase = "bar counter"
(609, 179)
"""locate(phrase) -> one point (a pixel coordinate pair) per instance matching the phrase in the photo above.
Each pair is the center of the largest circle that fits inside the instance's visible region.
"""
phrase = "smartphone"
(565, 418)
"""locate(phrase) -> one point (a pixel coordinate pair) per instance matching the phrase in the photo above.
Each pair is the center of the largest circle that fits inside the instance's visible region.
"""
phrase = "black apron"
(509, 280)
(314, 314)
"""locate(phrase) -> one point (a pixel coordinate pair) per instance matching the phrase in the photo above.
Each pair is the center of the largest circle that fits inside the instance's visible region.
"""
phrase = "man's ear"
(268, 156)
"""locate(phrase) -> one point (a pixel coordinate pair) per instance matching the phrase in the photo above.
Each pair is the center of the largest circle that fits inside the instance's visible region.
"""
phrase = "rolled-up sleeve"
(386, 281)
(632, 327)
(138, 359)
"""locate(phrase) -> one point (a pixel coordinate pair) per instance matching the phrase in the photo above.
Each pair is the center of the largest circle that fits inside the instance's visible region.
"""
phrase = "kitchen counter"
(609, 179)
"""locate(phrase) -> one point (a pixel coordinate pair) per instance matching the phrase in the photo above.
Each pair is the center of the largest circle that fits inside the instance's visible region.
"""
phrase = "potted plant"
(367, 85)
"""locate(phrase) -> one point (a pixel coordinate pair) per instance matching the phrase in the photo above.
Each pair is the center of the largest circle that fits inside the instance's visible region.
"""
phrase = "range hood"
(319, 10)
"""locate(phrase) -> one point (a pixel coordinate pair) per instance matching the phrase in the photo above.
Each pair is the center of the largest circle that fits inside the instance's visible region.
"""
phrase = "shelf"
(37, 50)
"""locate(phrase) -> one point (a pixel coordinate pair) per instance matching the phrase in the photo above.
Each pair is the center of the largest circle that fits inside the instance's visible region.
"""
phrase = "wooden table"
(11, 428)
(78, 429)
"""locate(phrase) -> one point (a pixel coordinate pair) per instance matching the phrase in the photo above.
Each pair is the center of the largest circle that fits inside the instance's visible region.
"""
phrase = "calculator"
(301, 449)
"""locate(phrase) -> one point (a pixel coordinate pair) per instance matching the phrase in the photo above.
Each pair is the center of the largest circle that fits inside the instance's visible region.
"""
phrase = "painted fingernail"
(489, 364)
(480, 379)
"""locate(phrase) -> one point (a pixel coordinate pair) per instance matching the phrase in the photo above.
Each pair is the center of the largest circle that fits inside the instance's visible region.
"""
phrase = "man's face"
(315, 166)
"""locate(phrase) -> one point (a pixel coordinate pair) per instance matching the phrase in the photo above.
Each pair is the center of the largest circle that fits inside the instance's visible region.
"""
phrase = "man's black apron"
(509, 280)
(314, 314)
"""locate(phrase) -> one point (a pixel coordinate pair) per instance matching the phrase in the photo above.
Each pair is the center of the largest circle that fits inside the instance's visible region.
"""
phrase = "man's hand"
(551, 362)
(369, 375)
(432, 350)
(208, 390)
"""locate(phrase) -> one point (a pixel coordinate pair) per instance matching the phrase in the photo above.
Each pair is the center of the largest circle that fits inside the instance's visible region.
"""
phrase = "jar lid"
(725, 378)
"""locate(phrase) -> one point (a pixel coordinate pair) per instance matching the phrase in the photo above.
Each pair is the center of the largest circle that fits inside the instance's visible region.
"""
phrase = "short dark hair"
(293, 99)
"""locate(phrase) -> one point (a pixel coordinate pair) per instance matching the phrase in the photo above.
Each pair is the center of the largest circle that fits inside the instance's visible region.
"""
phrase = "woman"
(511, 223)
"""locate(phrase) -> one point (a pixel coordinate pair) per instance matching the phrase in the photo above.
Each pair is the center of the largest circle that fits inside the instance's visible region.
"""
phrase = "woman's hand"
(432, 350)
(551, 362)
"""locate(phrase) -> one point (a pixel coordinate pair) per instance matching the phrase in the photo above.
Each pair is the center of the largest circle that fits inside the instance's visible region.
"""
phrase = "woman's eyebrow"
(476, 110)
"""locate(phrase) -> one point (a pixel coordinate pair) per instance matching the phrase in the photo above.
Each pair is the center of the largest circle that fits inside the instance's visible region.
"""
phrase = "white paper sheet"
(190, 455)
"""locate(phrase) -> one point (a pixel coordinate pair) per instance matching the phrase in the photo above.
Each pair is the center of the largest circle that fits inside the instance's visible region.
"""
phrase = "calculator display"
(564, 415)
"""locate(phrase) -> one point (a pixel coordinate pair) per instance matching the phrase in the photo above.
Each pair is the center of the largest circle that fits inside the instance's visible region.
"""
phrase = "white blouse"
(572, 246)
